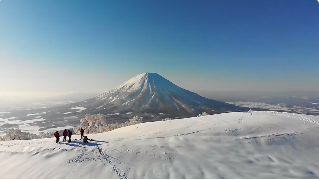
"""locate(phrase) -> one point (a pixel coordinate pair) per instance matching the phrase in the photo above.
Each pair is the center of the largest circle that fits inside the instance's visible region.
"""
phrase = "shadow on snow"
(80, 143)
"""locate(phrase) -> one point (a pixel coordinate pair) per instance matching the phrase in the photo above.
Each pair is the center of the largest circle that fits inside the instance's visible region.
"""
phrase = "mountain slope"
(264, 145)
(150, 92)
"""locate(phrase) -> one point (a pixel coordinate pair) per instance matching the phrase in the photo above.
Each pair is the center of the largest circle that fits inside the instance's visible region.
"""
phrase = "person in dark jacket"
(82, 132)
(69, 134)
(85, 139)
(65, 134)
(57, 136)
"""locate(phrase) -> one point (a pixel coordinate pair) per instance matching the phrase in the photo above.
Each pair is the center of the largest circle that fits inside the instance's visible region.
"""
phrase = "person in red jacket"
(65, 134)
(57, 136)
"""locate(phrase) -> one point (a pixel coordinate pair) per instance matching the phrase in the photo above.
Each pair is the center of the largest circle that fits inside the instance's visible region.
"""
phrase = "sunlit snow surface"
(80, 109)
(232, 145)
(152, 91)
(151, 82)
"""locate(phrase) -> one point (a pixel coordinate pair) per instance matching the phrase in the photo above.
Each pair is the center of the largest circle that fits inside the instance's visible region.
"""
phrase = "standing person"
(82, 132)
(65, 134)
(69, 134)
(57, 136)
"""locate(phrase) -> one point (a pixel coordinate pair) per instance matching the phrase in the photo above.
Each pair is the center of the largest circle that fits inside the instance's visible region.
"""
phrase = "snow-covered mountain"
(150, 92)
(147, 95)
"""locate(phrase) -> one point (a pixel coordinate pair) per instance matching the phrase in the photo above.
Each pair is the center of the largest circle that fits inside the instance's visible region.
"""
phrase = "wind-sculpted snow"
(263, 145)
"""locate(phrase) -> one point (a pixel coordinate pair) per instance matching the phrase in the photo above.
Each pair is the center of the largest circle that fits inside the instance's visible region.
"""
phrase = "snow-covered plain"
(277, 107)
(262, 105)
(36, 114)
(59, 128)
(25, 125)
(80, 109)
(232, 145)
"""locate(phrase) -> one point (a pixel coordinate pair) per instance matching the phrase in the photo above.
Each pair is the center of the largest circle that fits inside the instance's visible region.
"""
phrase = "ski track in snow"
(99, 155)
(183, 134)
(119, 172)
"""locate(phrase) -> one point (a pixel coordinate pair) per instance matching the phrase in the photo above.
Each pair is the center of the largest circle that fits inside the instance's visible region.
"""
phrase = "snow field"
(232, 145)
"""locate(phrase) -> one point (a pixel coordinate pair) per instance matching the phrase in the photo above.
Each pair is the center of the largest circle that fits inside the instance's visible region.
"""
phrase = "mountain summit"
(151, 81)
(152, 93)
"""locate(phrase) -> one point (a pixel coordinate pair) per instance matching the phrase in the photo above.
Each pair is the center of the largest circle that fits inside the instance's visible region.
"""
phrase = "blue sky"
(81, 45)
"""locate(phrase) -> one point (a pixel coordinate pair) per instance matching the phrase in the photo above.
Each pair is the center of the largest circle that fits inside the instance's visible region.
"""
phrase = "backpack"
(65, 133)
(56, 134)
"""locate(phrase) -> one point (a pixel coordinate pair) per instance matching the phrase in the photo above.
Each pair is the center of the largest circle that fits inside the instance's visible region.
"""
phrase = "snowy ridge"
(263, 145)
